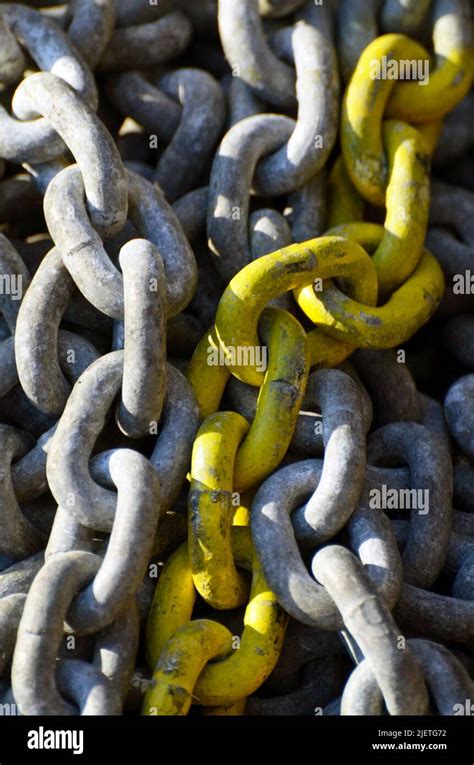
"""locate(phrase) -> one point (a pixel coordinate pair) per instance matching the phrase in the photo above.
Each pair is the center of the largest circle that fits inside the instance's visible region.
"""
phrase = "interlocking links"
(171, 454)
(36, 335)
(93, 272)
(447, 84)
(445, 676)
(430, 469)
(406, 195)
(406, 200)
(279, 400)
(145, 45)
(96, 154)
(183, 659)
(309, 45)
(82, 421)
(365, 325)
(309, 437)
(80, 424)
(230, 184)
(259, 453)
(274, 538)
(129, 547)
(364, 106)
(154, 219)
(191, 147)
(452, 76)
(115, 649)
(24, 138)
(51, 50)
(91, 28)
(292, 267)
(261, 641)
(40, 634)
(244, 44)
(359, 543)
(373, 540)
(210, 511)
(133, 95)
(186, 109)
(338, 491)
(144, 364)
(370, 622)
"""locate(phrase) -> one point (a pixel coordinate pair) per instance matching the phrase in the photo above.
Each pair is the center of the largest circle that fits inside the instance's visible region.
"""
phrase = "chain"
(236, 357)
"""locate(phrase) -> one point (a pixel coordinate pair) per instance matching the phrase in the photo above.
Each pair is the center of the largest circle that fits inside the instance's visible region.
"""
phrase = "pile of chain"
(236, 357)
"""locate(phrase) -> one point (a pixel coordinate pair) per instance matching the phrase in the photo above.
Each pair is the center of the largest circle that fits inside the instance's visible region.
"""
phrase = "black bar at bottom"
(370, 739)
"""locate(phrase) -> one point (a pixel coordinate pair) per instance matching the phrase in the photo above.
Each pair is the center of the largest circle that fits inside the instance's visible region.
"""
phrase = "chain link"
(236, 357)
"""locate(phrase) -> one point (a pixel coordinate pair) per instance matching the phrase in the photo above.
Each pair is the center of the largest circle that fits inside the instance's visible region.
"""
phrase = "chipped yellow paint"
(368, 101)
(366, 326)
(292, 267)
(407, 202)
(210, 511)
(449, 81)
(363, 109)
(184, 656)
(261, 641)
(279, 401)
(248, 666)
